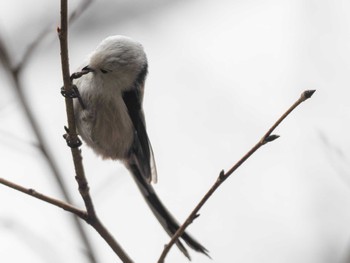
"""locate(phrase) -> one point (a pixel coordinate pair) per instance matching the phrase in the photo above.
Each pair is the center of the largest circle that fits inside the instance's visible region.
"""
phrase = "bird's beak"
(88, 69)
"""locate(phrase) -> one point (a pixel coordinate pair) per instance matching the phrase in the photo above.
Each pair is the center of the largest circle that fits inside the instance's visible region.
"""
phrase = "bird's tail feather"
(168, 222)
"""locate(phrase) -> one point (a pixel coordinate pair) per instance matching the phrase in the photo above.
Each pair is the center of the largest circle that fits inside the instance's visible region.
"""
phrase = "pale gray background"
(220, 74)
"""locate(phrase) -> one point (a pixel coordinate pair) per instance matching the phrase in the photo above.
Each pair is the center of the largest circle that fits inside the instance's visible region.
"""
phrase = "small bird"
(111, 120)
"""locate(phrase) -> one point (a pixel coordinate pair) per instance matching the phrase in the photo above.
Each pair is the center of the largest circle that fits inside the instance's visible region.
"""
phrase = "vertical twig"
(268, 137)
(73, 137)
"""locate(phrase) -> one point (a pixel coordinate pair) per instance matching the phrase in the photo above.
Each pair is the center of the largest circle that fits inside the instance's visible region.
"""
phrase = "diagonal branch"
(29, 191)
(90, 219)
(83, 5)
(268, 137)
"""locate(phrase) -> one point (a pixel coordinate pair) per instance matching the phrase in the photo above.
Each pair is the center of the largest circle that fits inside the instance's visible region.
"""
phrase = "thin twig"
(268, 137)
(83, 5)
(72, 135)
(14, 72)
(29, 191)
(4, 56)
(77, 159)
(31, 48)
(92, 220)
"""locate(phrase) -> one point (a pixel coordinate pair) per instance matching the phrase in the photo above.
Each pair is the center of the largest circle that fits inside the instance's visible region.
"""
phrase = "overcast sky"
(221, 72)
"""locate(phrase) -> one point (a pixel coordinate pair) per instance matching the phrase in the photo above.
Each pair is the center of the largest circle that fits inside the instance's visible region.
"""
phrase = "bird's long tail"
(163, 215)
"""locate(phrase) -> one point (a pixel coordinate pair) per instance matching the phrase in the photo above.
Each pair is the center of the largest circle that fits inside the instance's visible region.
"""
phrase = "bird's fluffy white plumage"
(112, 122)
(105, 125)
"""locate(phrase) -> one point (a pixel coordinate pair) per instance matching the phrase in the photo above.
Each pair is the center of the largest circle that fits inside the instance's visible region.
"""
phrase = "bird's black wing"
(141, 164)
(141, 153)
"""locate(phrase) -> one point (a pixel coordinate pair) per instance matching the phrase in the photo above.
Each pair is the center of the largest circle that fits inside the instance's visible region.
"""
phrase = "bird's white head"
(118, 57)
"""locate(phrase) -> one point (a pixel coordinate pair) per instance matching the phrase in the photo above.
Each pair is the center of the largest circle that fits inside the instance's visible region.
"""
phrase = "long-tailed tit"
(112, 122)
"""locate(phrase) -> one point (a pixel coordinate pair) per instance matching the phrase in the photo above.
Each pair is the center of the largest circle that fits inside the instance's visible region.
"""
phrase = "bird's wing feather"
(142, 152)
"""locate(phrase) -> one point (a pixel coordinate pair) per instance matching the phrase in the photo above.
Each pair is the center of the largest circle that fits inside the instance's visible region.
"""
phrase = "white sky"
(220, 74)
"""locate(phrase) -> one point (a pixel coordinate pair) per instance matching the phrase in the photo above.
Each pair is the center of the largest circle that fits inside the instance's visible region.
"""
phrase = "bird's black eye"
(103, 71)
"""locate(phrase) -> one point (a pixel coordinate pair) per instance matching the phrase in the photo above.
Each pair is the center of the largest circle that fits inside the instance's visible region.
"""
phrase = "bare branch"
(29, 191)
(31, 48)
(223, 176)
(14, 73)
(91, 219)
(72, 135)
(42, 145)
(84, 4)
(4, 56)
